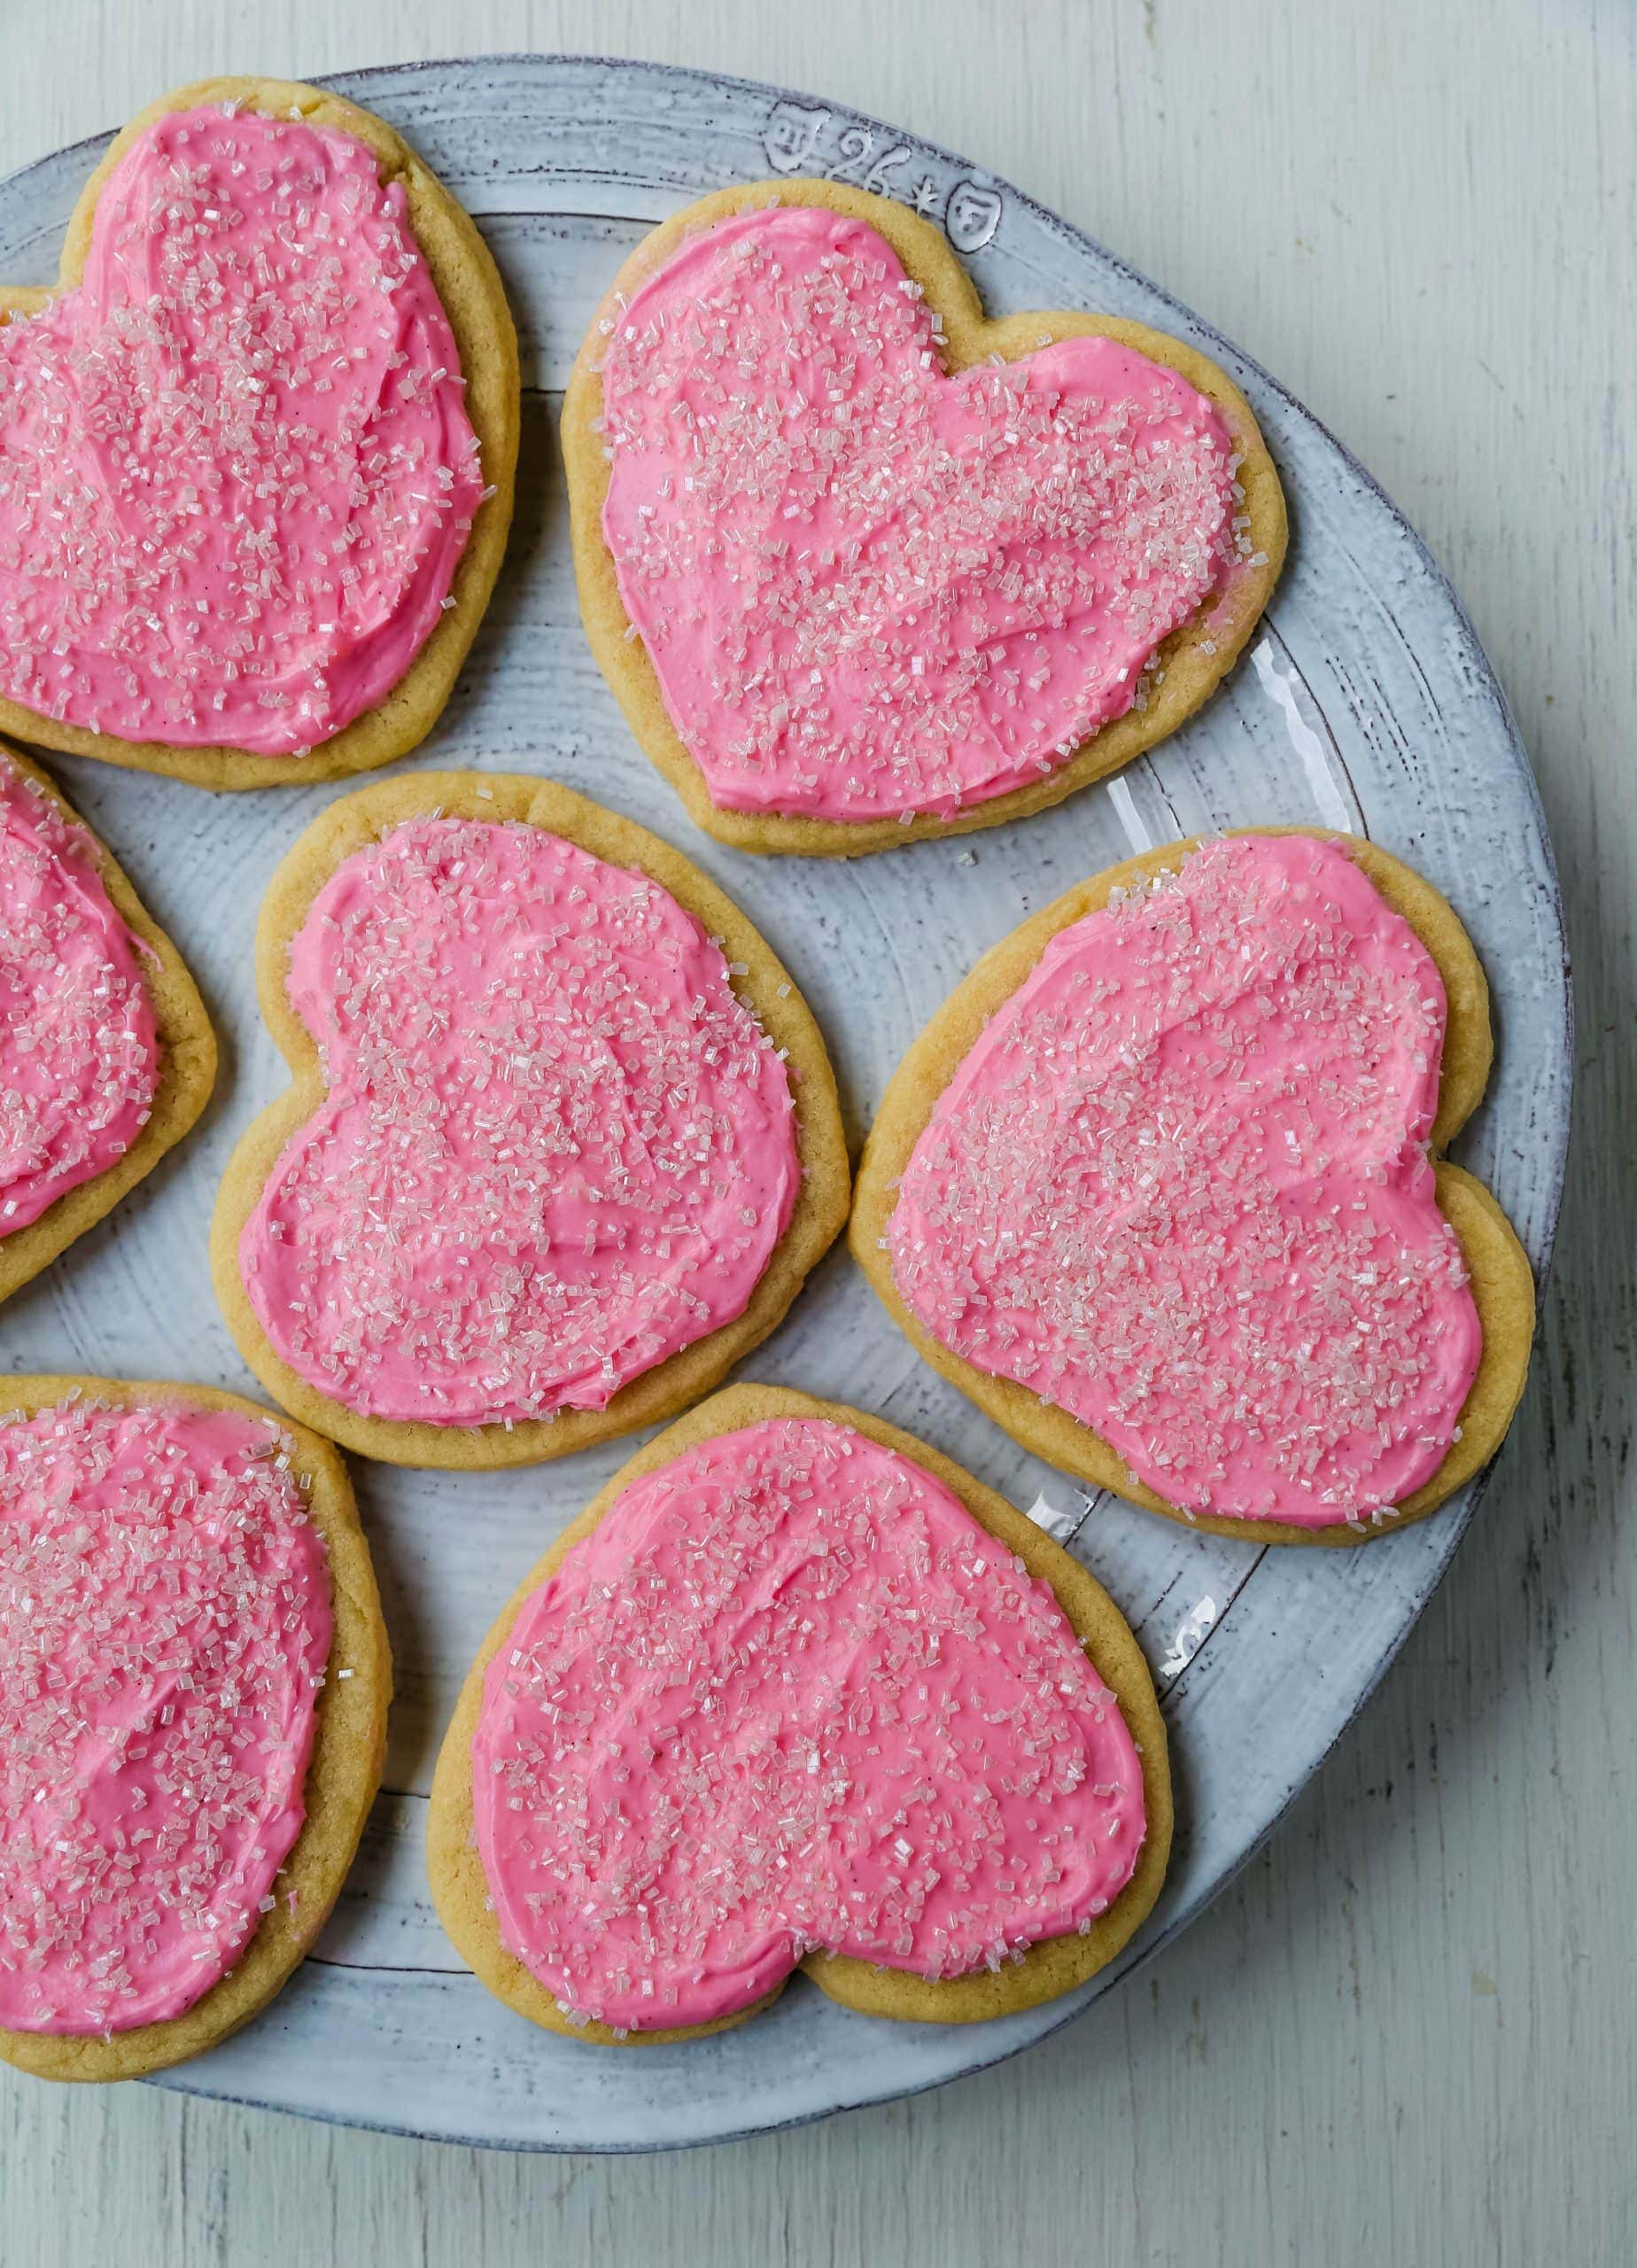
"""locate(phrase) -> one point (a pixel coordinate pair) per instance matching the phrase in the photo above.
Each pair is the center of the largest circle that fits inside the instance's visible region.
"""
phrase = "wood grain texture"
(1407, 2032)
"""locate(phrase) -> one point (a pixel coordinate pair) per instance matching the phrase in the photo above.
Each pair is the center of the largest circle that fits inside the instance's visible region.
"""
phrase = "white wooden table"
(1407, 2034)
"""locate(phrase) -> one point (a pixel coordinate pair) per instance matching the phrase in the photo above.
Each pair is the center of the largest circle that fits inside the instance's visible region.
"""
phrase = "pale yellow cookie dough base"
(187, 1065)
(1191, 673)
(469, 284)
(344, 1772)
(1502, 1284)
(766, 989)
(1054, 1966)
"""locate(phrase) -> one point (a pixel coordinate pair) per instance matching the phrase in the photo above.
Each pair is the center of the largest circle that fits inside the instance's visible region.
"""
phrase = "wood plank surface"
(1407, 2033)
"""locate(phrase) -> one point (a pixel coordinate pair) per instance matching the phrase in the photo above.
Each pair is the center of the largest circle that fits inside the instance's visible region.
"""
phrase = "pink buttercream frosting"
(871, 589)
(556, 1147)
(1180, 1187)
(235, 467)
(788, 1694)
(79, 1050)
(164, 1625)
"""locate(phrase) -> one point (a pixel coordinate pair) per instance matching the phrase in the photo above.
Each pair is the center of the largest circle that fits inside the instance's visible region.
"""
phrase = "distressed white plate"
(1365, 704)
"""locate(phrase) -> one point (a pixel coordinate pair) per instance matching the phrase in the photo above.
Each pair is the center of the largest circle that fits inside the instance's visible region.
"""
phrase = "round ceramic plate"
(1365, 704)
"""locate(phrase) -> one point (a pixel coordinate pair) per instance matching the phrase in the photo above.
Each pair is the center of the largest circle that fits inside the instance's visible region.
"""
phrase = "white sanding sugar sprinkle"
(868, 589)
(164, 1626)
(235, 467)
(556, 1146)
(1180, 1187)
(78, 1054)
(790, 1695)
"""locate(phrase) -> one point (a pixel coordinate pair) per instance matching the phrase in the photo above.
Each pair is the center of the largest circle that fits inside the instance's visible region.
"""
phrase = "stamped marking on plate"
(791, 136)
(973, 214)
(802, 139)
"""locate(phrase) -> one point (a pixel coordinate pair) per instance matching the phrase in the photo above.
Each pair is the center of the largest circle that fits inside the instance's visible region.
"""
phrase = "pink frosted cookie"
(181, 1792)
(106, 1055)
(1158, 1187)
(256, 449)
(796, 1691)
(564, 1139)
(861, 565)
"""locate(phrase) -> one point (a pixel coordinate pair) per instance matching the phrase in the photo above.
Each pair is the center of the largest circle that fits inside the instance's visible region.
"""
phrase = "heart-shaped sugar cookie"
(563, 1140)
(1157, 1188)
(106, 1053)
(796, 1689)
(194, 1679)
(862, 566)
(256, 447)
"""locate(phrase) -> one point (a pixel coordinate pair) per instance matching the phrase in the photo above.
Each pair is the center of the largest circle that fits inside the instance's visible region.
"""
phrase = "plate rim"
(1560, 1001)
